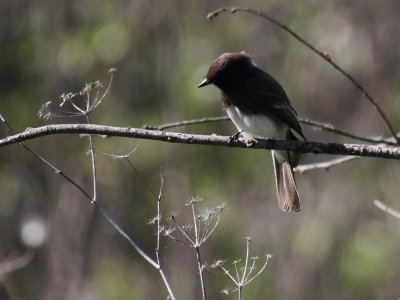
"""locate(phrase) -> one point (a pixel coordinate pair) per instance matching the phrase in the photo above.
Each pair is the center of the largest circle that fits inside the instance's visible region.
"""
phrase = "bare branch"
(10, 266)
(324, 54)
(187, 122)
(268, 256)
(15, 264)
(143, 180)
(197, 233)
(324, 165)
(92, 153)
(382, 206)
(160, 269)
(244, 273)
(330, 128)
(319, 125)
(97, 101)
(382, 151)
(201, 269)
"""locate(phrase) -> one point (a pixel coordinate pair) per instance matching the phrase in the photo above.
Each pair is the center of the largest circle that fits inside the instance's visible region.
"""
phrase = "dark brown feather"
(288, 197)
(273, 99)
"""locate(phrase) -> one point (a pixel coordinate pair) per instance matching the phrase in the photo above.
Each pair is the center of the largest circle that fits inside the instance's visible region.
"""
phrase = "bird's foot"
(250, 141)
(234, 137)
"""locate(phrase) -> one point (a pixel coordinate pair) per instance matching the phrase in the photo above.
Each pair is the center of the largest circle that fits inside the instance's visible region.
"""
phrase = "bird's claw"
(234, 137)
(250, 141)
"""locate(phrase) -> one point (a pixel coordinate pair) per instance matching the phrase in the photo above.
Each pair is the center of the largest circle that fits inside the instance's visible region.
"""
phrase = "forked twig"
(202, 230)
(156, 220)
(325, 55)
(244, 275)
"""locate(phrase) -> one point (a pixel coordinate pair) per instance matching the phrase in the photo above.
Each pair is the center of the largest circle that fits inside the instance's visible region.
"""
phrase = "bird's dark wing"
(273, 99)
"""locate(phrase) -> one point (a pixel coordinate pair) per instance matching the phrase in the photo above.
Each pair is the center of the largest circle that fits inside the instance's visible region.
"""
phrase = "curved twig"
(330, 128)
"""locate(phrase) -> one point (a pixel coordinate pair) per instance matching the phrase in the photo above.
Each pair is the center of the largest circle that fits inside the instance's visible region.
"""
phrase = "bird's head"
(228, 69)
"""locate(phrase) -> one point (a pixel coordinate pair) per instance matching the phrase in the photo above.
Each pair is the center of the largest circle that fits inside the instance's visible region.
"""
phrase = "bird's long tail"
(288, 197)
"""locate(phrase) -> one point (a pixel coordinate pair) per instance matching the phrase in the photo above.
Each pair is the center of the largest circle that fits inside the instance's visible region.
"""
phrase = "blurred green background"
(340, 246)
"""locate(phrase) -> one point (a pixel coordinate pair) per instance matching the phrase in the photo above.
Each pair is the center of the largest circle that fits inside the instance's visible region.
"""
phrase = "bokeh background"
(340, 246)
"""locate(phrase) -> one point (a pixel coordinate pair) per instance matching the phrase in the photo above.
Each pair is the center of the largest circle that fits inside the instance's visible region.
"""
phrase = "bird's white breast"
(257, 125)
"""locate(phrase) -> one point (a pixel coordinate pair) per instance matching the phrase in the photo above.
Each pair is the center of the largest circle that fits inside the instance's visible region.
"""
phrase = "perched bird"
(259, 107)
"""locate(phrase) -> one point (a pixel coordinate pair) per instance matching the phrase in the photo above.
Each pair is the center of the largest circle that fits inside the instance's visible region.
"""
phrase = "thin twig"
(205, 230)
(324, 165)
(201, 268)
(160, 268)
(185, 234)
(97, 101)
(237, 272)
(330, 128)
(382, 151)
(11, 288)
(382, 206)
(132, 166)
(200, 234)
(261, 270)
(230, 277)
(182, 243)
(210, 231)
(241, 278)
(15, 264)
(141, 177)
(81, 111)
(252, 268)
(194, 242)
(196, 232)
(242, 281)
(319, 125)
(93, 162)
(159, 219)
(197, 247)
(322, 54)
(187, 122)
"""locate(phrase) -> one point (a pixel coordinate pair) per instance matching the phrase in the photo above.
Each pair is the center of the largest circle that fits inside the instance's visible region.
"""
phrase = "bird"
(259, 107)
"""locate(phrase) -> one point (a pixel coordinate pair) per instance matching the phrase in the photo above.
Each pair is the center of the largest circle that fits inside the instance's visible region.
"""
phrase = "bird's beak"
(204, 83)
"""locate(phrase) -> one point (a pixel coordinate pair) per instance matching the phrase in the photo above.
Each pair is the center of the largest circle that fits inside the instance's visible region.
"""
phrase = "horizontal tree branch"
(382, 151)
(318, 125)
